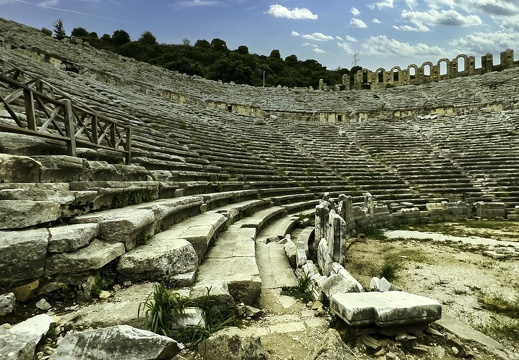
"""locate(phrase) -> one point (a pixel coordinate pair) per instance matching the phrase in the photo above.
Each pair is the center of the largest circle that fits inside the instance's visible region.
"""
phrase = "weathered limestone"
(60, 168)
(23, 255)
(162, 258)
(487, 210)
(18, 214)
(233, 347)
(117, 342)
(20, 341)
(384, 308)
(127, 225)
(72, 237)
(7, 304)
(19, 169)
(94, 256)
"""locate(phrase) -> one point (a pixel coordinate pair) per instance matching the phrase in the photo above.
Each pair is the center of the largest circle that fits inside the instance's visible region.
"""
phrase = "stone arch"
(458, 69)
(426, 66)
(414, 74)
(395, 73)
(380, 75)
(444, 73)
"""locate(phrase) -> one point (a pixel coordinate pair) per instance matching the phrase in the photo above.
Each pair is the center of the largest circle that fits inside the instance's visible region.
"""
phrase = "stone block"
(92, 257)
(19, 169)
(323, 258)
(22, 255)
(159, 259)
(72, 237)
(116, 342)
(19, 214)
(60, 168)
(385, 308)
(7, 304)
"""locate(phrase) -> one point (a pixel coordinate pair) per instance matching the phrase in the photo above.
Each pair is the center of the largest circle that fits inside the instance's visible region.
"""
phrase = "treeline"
(214, 60)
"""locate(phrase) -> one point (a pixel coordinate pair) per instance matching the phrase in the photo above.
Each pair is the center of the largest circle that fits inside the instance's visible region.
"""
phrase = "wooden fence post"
(70, 127)
(128, 146)
(29, 109)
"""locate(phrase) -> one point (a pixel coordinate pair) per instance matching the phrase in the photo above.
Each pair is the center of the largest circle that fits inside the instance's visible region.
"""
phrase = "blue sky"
(385, 33)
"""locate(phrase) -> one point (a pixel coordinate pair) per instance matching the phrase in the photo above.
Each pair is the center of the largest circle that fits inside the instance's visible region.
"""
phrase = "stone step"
(234, 249)
(259, 219)
(134, 224)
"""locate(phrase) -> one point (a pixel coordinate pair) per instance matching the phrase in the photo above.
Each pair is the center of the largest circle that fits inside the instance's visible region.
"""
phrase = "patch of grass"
(104, 279)
(390, 268)
(302, 291)
(374, 232)
(498, 304)
(499, 330)
(162, 308)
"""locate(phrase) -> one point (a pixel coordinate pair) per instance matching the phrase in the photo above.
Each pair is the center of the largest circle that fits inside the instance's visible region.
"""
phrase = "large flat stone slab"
(234, 242)
(22, 255)
(240, 273)
(161, 258)
(385, 309)
(19, 214)
(125, 225)
(92, 257)
(72, 237)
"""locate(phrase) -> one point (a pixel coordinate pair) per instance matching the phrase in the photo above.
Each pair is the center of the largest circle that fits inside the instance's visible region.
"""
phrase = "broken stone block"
(300, 254)
(23, 255)
(19, 169)
(18, 214)
(385, 308)
(92, 257)
(225, 345)
(7, 304)
(323, 257)
(291, 252)
(71, 237)
(116, 342)
(159, 259)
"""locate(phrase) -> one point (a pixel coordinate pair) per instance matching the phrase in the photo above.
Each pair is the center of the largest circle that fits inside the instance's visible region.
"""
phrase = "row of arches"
(461, 65)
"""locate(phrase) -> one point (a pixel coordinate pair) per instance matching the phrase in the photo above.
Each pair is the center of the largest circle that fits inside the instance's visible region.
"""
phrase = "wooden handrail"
(61, 119)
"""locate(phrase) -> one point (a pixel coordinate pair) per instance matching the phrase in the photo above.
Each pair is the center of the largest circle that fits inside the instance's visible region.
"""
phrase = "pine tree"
(59, 30)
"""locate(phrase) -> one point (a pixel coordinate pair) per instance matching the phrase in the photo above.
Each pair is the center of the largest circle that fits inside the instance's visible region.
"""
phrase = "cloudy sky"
(384, 33)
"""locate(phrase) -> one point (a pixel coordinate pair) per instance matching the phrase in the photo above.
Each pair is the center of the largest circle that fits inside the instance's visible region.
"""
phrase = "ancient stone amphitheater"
(182, 180)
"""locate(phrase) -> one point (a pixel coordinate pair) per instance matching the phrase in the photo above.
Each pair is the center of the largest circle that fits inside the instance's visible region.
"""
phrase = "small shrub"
(390, 268)
(302, 291)
(162, 308)
(501, 305)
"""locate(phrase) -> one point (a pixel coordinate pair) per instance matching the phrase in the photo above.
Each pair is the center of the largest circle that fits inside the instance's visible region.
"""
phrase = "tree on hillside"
(79, 32)
(219, 45)
(242, 49)
(120, 37)
(148, 38)
(59, 30)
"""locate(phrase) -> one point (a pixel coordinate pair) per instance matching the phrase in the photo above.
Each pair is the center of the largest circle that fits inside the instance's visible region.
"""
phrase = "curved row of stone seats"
(160, 240)
(497, 87)
(486, 147)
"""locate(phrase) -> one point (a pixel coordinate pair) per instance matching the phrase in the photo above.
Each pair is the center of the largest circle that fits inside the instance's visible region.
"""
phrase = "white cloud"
(317, 37)
(48, 3)
(411, 3)
(355, 11)
(351, 39)
(423, 19)
(377, 21)
(196, 3)
(296, 13)
(308, 44)
(384, 47)
(484, 42)
(384, 4)
(295, 33)
(319, 51)
(419, 28)
(345, 46)
(358, 23)
(338, 38)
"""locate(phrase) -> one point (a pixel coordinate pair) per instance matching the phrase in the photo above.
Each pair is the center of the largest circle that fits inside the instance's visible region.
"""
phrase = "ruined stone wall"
(444, 69)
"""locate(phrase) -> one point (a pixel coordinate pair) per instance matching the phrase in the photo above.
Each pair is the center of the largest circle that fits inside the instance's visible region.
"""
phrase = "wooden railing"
(51, 114)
